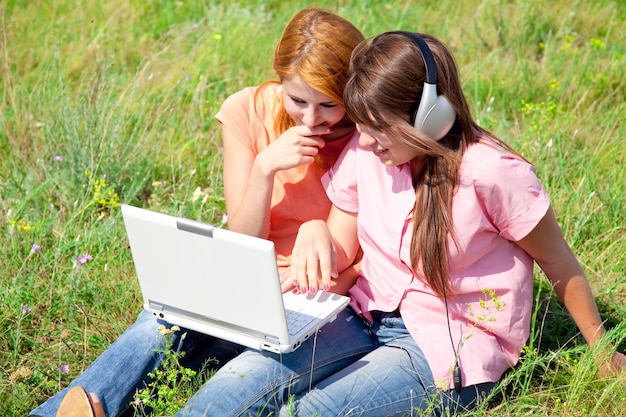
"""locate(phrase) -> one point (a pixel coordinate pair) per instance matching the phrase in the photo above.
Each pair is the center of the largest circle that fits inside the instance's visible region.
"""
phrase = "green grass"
(114, 101)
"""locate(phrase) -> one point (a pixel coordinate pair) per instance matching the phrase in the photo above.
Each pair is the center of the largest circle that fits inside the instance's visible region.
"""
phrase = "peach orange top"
(298, 195)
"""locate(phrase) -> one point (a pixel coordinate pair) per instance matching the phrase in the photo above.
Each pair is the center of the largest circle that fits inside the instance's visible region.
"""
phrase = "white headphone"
(434, 115)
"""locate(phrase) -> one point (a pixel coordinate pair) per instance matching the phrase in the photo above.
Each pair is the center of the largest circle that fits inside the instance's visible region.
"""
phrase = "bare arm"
(247, 189)
(249, 178)
(548, 247)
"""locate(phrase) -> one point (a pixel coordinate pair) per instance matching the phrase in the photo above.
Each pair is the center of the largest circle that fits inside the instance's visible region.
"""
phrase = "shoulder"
(505, 186)
(488, 163)
(242, 98)
(250, 106)
(249, 97)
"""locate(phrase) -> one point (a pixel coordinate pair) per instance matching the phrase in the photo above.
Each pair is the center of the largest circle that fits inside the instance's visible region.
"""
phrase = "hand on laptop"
(313, 257)
(288, 279)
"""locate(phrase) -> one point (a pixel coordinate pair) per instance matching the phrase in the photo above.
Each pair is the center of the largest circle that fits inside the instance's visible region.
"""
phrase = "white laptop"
(221, 283)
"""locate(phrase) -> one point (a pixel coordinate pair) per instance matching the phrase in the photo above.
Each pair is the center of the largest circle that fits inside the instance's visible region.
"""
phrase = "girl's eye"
(296, 100)
(328, 105)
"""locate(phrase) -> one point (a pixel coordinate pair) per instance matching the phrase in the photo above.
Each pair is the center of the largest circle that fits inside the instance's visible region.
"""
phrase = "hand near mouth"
(298, 145)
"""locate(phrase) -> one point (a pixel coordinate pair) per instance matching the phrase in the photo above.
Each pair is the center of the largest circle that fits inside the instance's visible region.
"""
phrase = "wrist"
(263, 168)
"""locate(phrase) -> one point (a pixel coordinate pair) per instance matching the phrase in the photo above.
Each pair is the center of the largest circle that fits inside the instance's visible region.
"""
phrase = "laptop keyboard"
(296, 320)
(309, 310)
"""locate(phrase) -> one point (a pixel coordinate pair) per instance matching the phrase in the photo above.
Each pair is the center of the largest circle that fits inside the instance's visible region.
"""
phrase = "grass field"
(105, 102)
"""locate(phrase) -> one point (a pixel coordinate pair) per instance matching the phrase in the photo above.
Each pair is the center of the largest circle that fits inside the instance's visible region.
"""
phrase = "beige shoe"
(77, 403)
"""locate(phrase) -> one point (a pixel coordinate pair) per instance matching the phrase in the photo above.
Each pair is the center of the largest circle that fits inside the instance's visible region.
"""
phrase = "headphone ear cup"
(439, 119)
(435, 115)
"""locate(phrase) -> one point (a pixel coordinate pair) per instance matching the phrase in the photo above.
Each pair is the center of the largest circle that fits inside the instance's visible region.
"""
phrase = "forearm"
(346, 261)
(573, 289)
(576, 295)
(252, 215)
(546, 244)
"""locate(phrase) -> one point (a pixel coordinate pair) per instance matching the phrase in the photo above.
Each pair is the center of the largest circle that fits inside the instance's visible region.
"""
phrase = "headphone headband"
(429, 60)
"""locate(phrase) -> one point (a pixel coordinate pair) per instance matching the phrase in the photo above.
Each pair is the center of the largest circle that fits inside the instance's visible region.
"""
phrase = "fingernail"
(295, 282)
(304, 289)
(326, 287)
(312, 290)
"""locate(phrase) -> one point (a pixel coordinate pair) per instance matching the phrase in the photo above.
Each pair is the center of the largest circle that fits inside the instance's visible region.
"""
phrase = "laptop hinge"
(194, 226)
(155, 306)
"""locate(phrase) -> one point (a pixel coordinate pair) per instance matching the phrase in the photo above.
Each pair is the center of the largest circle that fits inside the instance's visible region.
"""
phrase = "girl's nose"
(366, 140)
(309, 118)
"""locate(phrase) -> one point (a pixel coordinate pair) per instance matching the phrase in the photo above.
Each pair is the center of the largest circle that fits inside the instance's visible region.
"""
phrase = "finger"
(312, 270)
(310, 150)
(327, 268)
(311, 145)
(333, 262)
(313, 273)
(299, 270)
(286, 286)
(286, 279)
(313, 131)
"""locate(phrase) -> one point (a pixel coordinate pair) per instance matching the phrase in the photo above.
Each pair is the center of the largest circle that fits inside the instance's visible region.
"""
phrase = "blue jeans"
(348, 368)
(124, 366)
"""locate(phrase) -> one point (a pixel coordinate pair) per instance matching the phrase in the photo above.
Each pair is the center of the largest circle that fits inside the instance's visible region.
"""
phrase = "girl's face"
(307, 106)
(389, 151)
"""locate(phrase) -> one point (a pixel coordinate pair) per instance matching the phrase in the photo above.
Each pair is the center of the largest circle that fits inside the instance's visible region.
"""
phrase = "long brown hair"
(387, 74)
(316, 46)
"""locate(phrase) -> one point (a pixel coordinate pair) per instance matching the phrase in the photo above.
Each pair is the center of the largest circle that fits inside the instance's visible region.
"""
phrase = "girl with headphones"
(451, 221)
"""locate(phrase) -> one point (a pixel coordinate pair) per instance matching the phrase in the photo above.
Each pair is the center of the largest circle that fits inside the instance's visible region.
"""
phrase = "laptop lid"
(216, 281)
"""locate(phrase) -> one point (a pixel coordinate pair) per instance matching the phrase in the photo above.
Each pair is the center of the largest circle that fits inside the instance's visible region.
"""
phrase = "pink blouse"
(498, 202)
